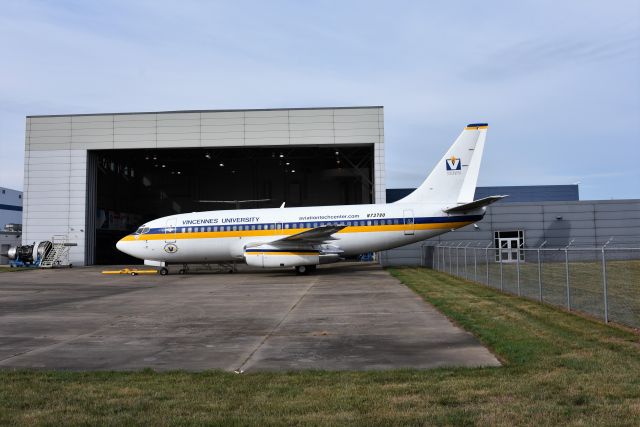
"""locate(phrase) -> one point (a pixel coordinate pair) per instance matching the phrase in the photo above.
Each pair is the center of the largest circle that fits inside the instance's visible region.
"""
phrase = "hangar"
(93, 177)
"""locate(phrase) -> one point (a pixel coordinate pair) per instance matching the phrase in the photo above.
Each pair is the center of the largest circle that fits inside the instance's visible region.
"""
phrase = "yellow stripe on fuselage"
(291, 231)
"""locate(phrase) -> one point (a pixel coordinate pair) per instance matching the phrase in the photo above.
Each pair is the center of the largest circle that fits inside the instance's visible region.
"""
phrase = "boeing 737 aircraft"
(308, 236)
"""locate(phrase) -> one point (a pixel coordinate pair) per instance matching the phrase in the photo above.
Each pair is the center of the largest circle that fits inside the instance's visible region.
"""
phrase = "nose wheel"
(302, 270)
(164, 271)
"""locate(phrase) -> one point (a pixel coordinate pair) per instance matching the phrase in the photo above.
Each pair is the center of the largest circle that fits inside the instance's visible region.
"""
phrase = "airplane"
(304, 237)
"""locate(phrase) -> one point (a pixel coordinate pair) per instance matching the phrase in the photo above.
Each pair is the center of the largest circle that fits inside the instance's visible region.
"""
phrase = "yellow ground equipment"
(130, 271)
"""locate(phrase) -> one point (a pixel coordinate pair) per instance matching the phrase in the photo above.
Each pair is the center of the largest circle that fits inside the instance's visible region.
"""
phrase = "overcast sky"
(557, 81)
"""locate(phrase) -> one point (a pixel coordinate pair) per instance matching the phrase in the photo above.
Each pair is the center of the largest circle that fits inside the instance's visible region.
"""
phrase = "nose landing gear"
(302, 270)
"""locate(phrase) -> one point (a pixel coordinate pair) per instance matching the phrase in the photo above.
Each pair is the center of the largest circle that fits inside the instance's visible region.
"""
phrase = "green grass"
(558, 369)
(13, 269)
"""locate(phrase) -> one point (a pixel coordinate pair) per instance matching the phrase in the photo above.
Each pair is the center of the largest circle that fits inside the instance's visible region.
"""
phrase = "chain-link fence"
(603, 282)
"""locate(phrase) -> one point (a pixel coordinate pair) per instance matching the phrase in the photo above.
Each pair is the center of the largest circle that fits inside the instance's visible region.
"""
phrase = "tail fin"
(454, 178)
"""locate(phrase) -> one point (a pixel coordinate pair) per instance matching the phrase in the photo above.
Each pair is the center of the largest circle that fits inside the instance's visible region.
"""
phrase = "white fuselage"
(223, 236)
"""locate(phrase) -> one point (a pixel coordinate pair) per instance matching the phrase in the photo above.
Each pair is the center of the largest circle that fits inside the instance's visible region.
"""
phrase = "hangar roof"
(208, 111)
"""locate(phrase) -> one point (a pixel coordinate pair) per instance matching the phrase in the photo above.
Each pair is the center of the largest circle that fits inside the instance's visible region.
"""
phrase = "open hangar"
(92, 178)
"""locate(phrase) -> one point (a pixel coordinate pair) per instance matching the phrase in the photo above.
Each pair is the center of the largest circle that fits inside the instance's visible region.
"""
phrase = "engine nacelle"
(273, 258)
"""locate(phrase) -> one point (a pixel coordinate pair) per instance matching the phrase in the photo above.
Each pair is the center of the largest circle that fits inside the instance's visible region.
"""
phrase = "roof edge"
(205, 111)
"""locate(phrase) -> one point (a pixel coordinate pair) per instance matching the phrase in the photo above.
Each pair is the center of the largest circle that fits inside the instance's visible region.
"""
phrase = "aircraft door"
(170, 231)
(409, 222)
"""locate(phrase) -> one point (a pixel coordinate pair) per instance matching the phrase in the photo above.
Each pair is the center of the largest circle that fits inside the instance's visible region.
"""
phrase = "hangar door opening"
(126, 188)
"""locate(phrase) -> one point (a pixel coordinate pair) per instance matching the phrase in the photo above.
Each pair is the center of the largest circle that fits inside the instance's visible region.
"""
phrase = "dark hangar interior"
(129, 187)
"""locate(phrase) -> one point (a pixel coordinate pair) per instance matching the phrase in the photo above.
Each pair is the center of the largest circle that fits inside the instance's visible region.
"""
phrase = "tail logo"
(454, 164)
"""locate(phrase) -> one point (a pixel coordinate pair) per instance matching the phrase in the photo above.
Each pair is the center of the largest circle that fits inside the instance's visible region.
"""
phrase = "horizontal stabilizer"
(472, 206)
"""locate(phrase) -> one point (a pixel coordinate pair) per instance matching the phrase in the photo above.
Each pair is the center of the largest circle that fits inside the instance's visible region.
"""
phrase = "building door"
(509, 245)
(170, 231)
(409, 222)
(508, 249)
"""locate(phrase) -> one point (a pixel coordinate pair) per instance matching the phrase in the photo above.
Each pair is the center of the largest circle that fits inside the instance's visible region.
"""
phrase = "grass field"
(558, 369)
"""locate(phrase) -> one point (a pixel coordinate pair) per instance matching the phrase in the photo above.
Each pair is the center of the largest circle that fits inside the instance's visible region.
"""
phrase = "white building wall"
(56, 151)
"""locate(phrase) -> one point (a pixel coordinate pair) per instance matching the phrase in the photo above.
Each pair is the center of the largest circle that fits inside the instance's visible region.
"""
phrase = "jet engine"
(29, 254)
(273, 258)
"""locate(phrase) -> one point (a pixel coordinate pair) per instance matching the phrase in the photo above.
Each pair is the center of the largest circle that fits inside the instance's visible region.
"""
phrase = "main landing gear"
(302, 270)
(164, 271)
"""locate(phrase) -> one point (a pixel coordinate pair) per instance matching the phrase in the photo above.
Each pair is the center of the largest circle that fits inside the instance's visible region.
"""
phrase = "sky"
(557, 81)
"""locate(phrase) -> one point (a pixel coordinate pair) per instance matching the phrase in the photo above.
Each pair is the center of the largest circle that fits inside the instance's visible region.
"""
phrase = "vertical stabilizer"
(454, 178)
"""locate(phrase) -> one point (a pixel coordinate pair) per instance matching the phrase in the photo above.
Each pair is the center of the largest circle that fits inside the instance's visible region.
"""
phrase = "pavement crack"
(276, 327)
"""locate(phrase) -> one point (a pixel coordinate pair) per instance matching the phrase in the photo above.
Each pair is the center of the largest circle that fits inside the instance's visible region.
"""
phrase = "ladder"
(58, 256)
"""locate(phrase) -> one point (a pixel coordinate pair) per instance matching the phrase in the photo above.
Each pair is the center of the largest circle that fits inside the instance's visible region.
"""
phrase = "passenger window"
(368, 222)
(253, 227)
(348, 223)
(286, 226)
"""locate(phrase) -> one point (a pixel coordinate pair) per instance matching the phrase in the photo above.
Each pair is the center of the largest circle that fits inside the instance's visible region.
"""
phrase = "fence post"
(518, 267)
(604, 281)
(465, 261)
(486, 258)
(475, 263)
(566, 269)
(434, 258)
(500, 258)
(444, 263)
(540, 271)
(466, 270)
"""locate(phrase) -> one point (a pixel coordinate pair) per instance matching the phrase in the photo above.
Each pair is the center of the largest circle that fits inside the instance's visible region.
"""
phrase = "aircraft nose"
(121, 246)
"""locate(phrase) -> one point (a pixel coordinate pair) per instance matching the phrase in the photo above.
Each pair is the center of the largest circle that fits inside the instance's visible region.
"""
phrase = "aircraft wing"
(315, 235)
(316, 238)
(472, 206)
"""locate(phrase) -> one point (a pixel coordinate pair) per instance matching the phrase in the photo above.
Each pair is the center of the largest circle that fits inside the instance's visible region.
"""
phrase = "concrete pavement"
(344, 317)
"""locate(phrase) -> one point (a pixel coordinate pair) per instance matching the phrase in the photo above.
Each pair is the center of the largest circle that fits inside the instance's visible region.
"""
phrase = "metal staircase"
(58, 256)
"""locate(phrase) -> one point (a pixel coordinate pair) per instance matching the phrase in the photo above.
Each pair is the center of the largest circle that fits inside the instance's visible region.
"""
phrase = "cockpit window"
(142, 230)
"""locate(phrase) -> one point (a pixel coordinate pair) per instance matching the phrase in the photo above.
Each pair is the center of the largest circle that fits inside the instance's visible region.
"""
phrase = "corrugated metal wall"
(587, 223)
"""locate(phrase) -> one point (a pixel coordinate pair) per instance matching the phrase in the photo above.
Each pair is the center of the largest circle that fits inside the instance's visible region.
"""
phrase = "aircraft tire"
(164, 271)
(182, 271)
(133, 273)
(302, 270)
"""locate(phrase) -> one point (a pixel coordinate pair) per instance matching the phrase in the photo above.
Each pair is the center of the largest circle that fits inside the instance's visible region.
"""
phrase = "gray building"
(10, 207)
(96, 177)
(508, 223)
